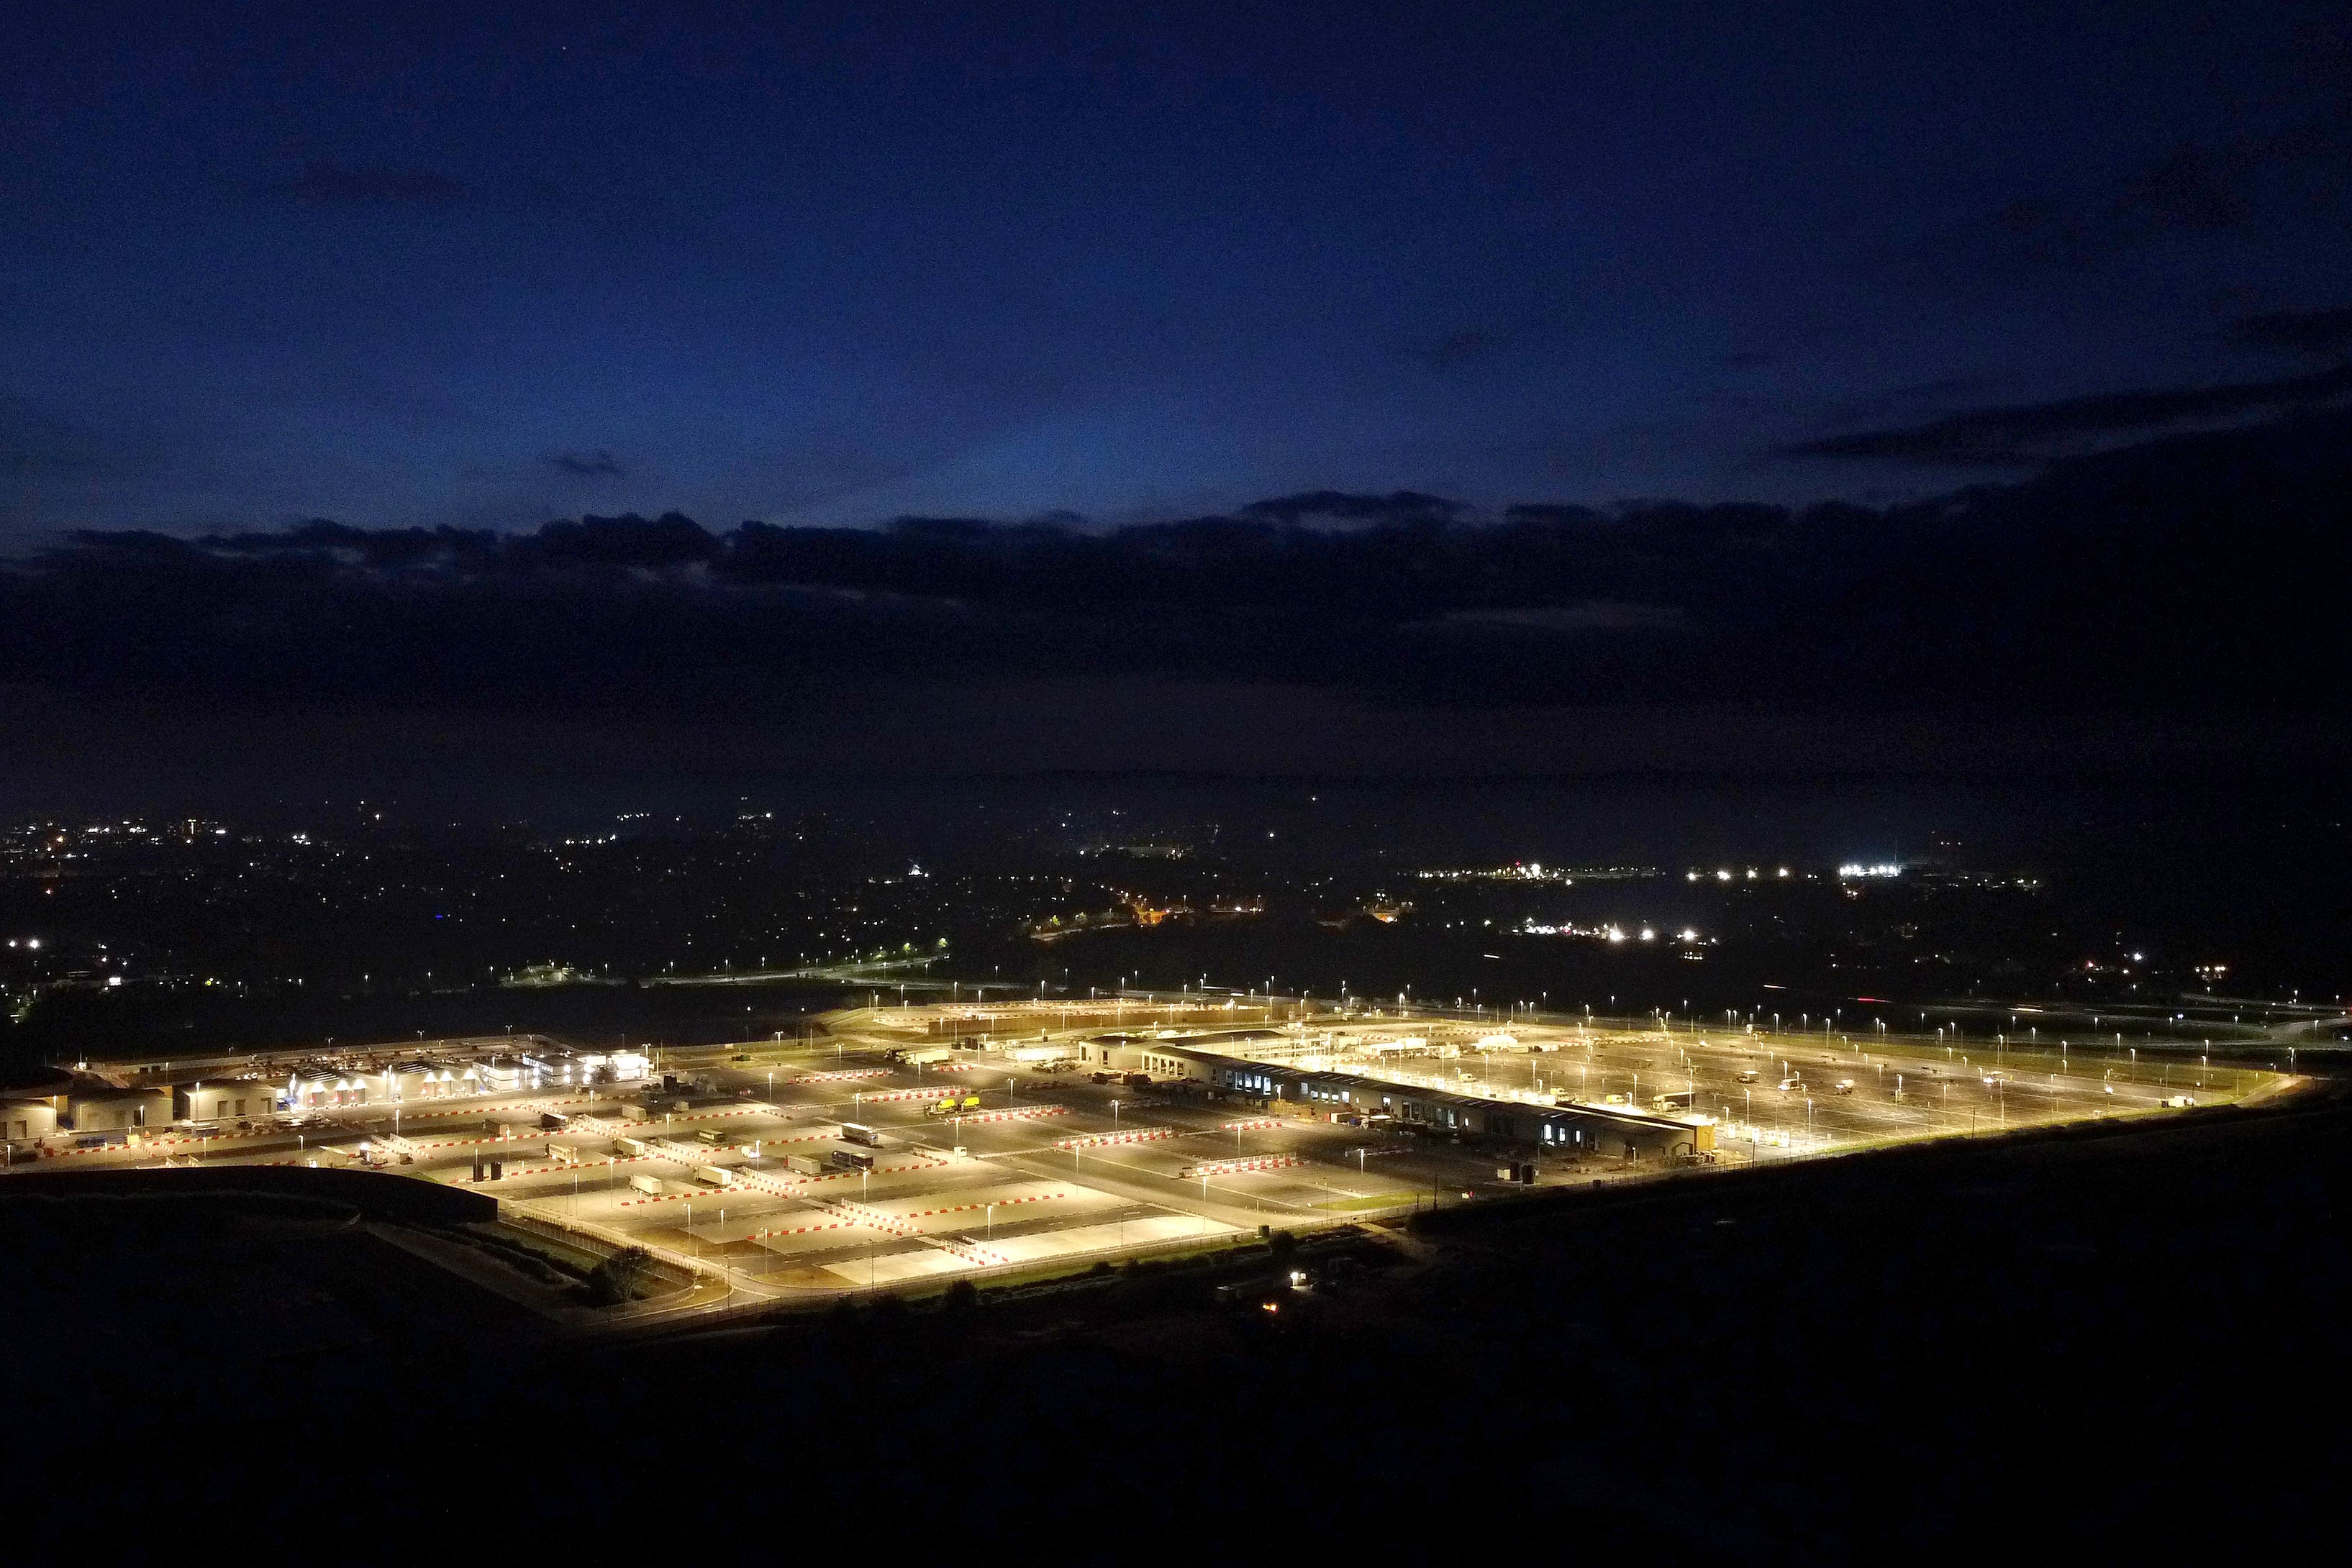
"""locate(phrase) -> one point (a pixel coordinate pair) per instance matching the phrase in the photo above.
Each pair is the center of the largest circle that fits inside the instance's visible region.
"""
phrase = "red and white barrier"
(1234, 1167)
(1129, 1135)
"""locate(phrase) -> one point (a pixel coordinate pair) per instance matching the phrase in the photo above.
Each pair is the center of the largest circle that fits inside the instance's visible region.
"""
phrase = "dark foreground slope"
(2131, 1339)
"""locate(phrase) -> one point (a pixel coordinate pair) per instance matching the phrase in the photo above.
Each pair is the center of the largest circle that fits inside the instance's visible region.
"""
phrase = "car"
(2178, 1102)
(1789, 1085)
(1845, 1085)
(1750, 1077)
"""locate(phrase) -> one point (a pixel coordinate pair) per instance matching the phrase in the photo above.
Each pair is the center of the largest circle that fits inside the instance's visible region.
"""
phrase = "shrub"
(620, 1277)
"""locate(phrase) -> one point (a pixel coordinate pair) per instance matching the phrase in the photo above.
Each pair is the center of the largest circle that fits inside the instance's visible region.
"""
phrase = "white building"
(223, 1100)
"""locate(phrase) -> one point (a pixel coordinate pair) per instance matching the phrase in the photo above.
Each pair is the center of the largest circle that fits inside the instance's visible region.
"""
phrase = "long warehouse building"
(1566, 1127)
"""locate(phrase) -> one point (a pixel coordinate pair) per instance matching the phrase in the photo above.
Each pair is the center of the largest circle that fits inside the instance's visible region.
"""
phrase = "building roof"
(1621, 1115)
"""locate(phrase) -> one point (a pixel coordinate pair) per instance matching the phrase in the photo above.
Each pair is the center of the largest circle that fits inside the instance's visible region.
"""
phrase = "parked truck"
(857, 1133)
(804, 1164)
(650, 1186)
(852, 1159)
(714, 1175)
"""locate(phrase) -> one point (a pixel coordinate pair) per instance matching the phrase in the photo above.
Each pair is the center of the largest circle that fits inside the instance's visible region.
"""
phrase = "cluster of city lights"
(1607, 933)
(1536, 870)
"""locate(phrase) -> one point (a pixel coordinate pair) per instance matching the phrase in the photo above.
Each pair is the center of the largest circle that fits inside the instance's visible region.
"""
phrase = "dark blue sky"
(859, 261)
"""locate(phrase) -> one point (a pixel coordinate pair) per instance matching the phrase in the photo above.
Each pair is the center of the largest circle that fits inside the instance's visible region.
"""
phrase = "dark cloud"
(2303, 331)
(597, 464)
(629, 542)
(327, 184)
(2236, 186)
(2100, 581)
(1335, 507)
(2197, 189)
(1553, 514)
(1458, 348)
(1564, 620)
(671, 540)
(2193, 190)
(2032, 434)
(2044, 233)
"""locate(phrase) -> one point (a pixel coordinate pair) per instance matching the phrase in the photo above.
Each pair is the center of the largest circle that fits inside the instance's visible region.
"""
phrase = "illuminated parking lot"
(920, 1143)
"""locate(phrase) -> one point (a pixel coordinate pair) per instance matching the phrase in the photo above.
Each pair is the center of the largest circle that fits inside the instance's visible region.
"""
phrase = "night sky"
(841, 264)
